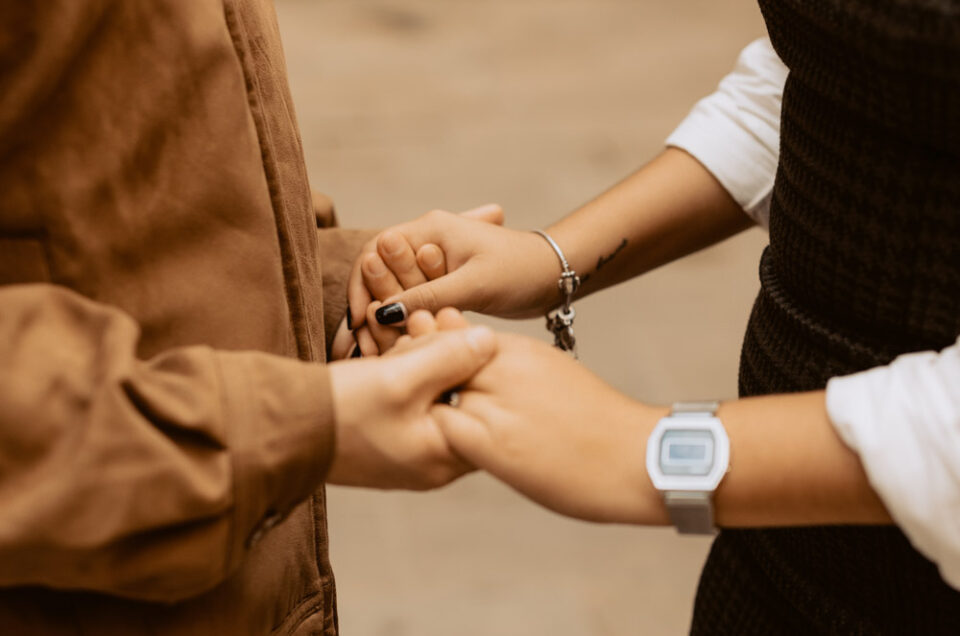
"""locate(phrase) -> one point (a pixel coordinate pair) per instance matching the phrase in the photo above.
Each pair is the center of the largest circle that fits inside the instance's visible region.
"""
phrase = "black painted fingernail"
(349, 318)
(391, 314)
(355, 352)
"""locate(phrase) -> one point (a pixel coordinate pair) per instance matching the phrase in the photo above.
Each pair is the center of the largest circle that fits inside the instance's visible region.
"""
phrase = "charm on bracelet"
(560, 321)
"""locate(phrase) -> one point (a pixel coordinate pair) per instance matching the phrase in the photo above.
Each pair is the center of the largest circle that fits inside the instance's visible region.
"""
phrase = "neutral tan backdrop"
(408, 105)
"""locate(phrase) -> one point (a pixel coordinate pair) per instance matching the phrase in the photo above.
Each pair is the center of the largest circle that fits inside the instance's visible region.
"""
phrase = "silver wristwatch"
(688, 455)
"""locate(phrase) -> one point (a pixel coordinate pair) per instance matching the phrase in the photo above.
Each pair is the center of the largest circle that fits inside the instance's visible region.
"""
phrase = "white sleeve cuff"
(904, 422)
(735, 132)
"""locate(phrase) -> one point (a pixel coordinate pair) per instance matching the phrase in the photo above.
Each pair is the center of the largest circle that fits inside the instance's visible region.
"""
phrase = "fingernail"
(349, 318)
(374, 265)
(392, 243)
(391, 314)
(433, 258)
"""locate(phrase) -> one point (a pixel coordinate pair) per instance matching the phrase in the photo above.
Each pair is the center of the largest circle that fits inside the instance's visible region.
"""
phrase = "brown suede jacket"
(165, 424)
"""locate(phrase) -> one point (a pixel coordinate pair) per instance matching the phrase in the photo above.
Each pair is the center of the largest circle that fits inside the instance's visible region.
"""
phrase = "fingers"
(379, 280)
(409, 256)
(458, 289)
(490, 213)
(432, 261)
(449, 318)
(343, 342)
(421, 323)
(403, 343)
(358, 297)
(447, 360)
(467, 435)
(400, 258)
(366, 342)
(384, 336)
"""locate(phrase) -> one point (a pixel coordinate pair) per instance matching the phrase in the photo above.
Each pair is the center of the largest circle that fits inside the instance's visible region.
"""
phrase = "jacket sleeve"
(143, 479)
(339, 249)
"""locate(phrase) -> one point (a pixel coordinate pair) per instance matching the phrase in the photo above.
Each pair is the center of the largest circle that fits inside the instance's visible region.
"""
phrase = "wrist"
(640, 502)
(550, 270)
(541, 270)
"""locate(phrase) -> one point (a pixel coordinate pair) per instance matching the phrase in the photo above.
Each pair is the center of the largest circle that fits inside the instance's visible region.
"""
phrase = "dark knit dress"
(863, 265)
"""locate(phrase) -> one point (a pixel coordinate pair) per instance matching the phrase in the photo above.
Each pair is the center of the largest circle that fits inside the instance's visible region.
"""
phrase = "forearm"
(788, 467)
(182, 455)
(671, 207)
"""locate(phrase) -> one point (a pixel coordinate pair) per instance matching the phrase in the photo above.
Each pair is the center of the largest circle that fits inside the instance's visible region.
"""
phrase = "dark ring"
(451, 398)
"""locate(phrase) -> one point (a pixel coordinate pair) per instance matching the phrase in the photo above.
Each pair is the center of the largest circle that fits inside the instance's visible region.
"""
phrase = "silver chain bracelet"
(560, 321)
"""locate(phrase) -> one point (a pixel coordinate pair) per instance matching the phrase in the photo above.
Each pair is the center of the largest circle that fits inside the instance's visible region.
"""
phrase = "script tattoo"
(604, 260)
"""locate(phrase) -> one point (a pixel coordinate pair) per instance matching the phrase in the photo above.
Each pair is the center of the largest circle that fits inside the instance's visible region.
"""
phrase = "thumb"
(456, 289)
(467, 435)
(490, 213)
(446, 360)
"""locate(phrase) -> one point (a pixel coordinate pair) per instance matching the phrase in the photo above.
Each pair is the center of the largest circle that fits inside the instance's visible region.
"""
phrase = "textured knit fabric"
(863, 265)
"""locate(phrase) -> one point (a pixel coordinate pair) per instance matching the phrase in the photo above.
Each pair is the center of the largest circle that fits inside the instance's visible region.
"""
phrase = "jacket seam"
(292, 278)
(224, 409)
(296, 307)
(309, 606)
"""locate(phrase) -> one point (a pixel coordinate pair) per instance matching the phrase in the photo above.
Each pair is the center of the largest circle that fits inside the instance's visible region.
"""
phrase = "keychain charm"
(560, 324)
(560, 321)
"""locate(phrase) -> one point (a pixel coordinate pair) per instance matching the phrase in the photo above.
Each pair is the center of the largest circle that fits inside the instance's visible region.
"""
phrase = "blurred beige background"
(408, 105)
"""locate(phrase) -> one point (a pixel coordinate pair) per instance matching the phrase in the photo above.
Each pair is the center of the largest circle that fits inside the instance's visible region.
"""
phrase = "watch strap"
(694, 409)
(691, 512)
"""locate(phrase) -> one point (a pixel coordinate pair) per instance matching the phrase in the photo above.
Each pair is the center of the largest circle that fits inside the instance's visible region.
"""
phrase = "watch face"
(686, 452)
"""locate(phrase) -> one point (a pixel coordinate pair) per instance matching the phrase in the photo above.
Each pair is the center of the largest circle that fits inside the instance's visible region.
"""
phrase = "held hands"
(441, 259)
(527, 414)
(549, 428)
(546, 426)
(388, 433)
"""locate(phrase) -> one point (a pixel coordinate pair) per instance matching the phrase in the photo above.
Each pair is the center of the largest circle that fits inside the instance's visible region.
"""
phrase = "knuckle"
(393, 387)
(450, 313)
(435, 215)
(370, 246)
(388, 240)
(427, 297)
(438, 473)
(369, 265)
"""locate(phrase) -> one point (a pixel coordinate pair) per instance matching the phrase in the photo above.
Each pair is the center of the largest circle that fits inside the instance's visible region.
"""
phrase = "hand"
(386, 266)
(386, 409)
(552, 430)
(442, 259)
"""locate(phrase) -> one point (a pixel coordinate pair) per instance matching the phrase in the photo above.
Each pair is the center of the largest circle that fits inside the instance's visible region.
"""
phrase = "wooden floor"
(538, 105)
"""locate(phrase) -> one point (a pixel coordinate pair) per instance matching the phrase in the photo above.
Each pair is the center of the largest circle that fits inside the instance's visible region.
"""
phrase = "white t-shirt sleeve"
(904, 422)
(735, 132)
(902, 419)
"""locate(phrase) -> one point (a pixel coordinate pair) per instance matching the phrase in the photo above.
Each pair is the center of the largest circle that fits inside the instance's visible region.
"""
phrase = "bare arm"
(671, 207)
(788, 466)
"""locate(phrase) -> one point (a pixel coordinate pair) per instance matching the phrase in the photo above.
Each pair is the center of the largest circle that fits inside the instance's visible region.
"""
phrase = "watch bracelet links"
(704, 408)
(691, 512)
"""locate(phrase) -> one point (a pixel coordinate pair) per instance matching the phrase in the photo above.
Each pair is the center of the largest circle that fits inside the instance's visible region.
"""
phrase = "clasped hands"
(527, 413)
